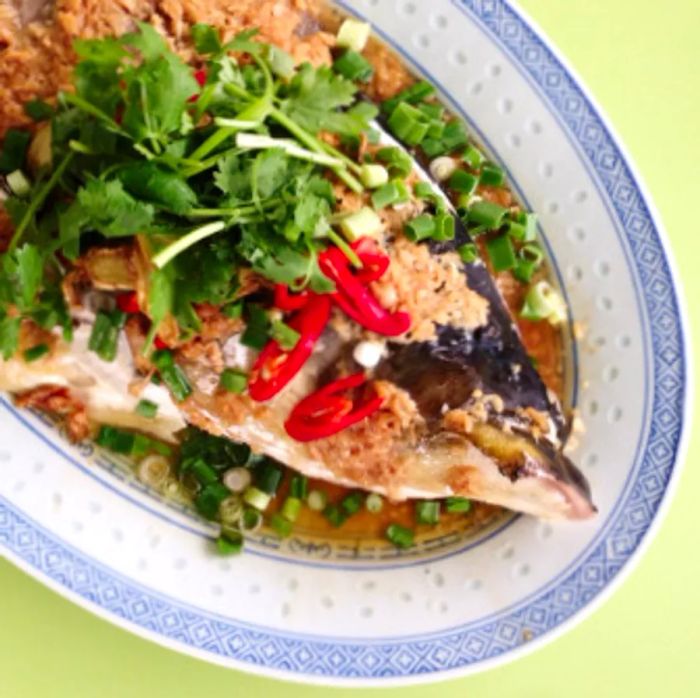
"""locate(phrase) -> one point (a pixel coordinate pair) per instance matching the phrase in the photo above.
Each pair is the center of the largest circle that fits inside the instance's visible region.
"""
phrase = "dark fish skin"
(492, 358)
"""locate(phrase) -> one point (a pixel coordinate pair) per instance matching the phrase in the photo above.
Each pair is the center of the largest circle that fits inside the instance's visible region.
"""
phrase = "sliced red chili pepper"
(374, 261)
(158, 343)
(357, 301)
(288, 301)
(327, 411)
(128, 302)
(201, 76)
(275, 367)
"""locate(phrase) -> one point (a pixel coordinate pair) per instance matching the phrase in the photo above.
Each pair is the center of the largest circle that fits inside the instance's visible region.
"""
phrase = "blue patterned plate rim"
(479, 645)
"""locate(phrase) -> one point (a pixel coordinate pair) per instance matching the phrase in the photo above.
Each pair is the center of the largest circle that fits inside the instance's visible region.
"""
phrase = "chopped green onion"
(408, 124)
(420, 228)
(529, 222)
(463, 182)
(280, 525)
(299, 487)
(454, 135)
(501, 253)
(542, 302)
(373, 175)
(209, 499)
(457, 505)
(364, 222)
(18, 183)
(35, 352)
(444, 227)
(353, 66)
(487, 214)
(473, 157)
(281, 62)
(442, 168)
(105, 334)
(492, 176)
(256, 498)
(395, 192)
(424, 190)
(202, 471)
(284, 335)
(147, 409)
(251, 520)
(468, 252)
(229, 542)
(233, 381)
(291, 508)
(400, 536)
(316, 500)
(530, 258)
(374, 503)
(413, 94)
(14, 149)
(237, 479)
(397, 160)
(38, 110)
(428, 512)
(268, 477)
(335, 515)
(231, 510)
(352, 503)
(172, 374)
(116, 440)
(433, 147)
(516, 230)
(257, 330)
(432, 110)
(353, 34)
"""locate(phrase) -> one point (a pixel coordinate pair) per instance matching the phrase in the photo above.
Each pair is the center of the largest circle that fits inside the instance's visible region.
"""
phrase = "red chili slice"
(374, 261)
(275, 367)
(357, 301)
(128, 302)
(288, 301)
(200, 76)
(327, 411)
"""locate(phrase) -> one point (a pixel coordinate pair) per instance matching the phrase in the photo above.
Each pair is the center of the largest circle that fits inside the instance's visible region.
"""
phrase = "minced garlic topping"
(431, 288)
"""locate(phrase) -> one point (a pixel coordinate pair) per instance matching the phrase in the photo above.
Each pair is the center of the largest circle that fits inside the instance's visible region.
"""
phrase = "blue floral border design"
(467, 646)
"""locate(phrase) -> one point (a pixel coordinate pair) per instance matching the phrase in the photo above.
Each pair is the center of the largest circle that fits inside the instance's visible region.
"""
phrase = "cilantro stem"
(195, 169)
(36, 203)
(314, 144)
(235, 211)
(351, 164)
(193, 237)
(345, 249)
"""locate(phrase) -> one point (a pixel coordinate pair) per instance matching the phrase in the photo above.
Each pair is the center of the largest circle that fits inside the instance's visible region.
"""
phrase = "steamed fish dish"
(246, 248)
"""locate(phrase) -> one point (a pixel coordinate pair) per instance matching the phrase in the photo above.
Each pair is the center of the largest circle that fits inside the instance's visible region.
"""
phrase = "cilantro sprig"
(140, 149)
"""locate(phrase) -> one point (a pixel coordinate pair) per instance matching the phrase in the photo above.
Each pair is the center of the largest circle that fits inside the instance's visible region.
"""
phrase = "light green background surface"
(641, 60)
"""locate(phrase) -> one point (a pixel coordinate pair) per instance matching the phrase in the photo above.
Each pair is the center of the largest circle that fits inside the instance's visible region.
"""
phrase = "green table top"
(641, 60)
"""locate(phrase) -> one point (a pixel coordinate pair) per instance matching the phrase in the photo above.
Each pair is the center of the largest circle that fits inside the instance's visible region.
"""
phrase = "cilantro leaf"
(160, 294)
(157, 90)
(106, 208)
(146, 180)
(314, 97)
(206, 38)
(30, 267)
(96, 76)
(270, 172)
(9, 336)
(232, 177)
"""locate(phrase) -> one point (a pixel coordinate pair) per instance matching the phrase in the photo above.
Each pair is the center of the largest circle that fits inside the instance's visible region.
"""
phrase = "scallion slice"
(428, 512)
(256, 498)
(487, 213)
(373, 175)
(299, 487)
(284, 335)
(413, 94)
(457, 505)
(147, 409)
(473, 157)
(172, 374)
(420, 228)
(268, 477)
(353, 34)
(229, 542)
(364, 222)
(209, 499)
(291, 508)
(36, 352)
(353, 66)
(542, 302)
(281, 525)
(233, 380)
(492, 176)
(408, 124)
(501, 253)
(397, 160)
(374, 503)
(316, 500)
(468, 252)
(335, 515)
(104, 336)
(352, 503)
(394, 192)
(257, 328)
(400, 536)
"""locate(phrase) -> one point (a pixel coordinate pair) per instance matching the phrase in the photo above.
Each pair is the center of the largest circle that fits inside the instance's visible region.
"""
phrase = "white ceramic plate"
(333, 614)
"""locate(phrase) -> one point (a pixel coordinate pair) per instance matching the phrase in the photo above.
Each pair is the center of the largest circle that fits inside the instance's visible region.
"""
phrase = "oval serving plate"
(341, 613)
